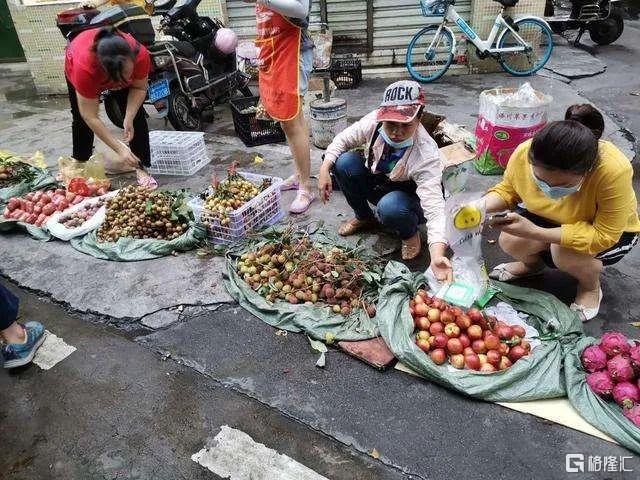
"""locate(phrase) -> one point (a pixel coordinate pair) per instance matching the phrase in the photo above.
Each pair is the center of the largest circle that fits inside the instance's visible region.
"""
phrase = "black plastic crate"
(252, 131)
(346, 73)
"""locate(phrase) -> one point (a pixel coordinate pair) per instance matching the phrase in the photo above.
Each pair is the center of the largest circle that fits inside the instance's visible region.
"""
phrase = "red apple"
(464, 339)
(483, 358)
(492, 341)
(418, 299)
(447, 317)
(438, 356)
(422, 323)
(505, 332)
(454, 347)
(436, 327)
(451, 330)
(504, 363)
(526, 345)
(503, 349)
(457, 311)
(494, 357)
(463, 321)
(479, 346)
(487, 368)
(475, 315)
(468, 351)
(516, 353)
(440, 340)
(432, 340)
(421, 309)
(423, 344)
(433, 314)
(519, 330)
(457, 361)
(437, 303)
(472, 361)
(474, 332)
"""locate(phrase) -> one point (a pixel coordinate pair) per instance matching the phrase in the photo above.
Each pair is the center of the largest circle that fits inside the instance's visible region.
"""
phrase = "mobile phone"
(499, 218)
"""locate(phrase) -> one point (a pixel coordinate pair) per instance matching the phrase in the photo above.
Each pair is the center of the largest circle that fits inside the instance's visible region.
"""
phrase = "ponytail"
(112, 51)
(588, 116)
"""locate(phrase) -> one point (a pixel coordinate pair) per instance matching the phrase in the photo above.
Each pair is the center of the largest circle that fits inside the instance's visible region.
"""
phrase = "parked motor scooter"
(602, 18)
(190, 76)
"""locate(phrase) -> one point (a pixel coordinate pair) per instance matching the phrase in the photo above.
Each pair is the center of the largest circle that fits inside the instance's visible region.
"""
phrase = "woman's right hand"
(325, 186)
(126, 156)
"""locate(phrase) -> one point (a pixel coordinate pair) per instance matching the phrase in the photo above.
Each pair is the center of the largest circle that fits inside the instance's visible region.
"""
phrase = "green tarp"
(35, 232)
(605, 415)
(131, 250)
(536, 376)
(316, 321)
(42, 179)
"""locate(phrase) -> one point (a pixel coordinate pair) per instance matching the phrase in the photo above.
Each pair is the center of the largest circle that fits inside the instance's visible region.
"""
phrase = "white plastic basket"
(260, 211)
(177, 153)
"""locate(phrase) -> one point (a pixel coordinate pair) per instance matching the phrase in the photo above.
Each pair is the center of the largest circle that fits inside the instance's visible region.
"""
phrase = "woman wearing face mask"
(575, 209)
(400, 173)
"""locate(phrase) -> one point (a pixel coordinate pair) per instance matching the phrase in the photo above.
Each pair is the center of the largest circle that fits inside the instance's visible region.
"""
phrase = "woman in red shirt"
(105, 59)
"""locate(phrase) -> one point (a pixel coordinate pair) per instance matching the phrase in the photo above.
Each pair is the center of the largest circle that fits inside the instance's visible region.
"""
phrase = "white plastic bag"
(58, 230)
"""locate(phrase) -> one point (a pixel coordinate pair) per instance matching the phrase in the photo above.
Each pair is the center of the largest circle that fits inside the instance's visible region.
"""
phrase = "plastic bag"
(37, 233)
(533, 377)
(58, 230)
(602, 414)
(465, 218)
(323, 43)
(507, 117)
(92, 172)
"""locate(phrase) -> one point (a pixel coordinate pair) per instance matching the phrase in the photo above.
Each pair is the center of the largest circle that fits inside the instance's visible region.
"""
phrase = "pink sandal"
(302, 202)
(290, 184)
(146, 181)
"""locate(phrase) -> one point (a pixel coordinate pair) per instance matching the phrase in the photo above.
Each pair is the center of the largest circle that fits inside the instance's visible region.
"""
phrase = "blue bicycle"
(522, 46)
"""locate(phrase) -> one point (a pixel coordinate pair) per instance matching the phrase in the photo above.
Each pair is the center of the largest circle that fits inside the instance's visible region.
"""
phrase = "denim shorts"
(306, 66)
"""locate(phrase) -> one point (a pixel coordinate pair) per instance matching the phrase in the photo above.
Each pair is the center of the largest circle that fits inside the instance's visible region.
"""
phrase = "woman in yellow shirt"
(575, 209)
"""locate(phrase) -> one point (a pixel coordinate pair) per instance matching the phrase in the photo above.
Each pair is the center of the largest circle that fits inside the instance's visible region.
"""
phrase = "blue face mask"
(404, 144)
(555, 192)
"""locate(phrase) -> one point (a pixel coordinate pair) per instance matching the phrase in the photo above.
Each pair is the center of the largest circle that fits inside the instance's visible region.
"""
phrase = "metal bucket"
(327, 119)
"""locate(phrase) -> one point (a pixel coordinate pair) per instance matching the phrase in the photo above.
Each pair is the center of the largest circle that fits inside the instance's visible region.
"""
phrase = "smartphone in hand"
(499, 218)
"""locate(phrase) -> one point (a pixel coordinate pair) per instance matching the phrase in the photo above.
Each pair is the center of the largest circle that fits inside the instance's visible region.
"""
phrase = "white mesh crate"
(177, 153)
(260, 211)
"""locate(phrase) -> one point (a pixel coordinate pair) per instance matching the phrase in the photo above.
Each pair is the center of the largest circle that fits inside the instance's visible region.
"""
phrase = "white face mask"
(555, 192)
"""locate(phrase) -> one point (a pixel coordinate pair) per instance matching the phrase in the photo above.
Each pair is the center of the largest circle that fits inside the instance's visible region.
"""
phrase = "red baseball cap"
(401, 102)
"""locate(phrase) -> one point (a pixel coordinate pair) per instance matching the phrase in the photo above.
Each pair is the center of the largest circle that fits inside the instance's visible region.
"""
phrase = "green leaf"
(147, 207)
(335, 274)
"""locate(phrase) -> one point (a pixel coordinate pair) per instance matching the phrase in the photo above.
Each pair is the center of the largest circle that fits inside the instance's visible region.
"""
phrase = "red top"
(82, 69)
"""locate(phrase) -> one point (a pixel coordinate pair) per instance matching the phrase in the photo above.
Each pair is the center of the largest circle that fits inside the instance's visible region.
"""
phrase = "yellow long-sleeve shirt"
(592, 219)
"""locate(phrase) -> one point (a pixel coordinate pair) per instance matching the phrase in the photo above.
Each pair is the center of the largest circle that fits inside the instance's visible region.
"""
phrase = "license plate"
(158, 90)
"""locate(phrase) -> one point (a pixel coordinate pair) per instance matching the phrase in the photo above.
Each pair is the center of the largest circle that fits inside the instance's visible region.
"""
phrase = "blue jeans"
(397, 203)
(8, 308)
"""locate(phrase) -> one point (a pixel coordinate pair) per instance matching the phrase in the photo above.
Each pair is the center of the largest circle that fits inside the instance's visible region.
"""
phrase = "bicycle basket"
(434, 8)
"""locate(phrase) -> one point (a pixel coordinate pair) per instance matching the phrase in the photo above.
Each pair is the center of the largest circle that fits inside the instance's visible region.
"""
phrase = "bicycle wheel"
(428, 55)
(540, 44)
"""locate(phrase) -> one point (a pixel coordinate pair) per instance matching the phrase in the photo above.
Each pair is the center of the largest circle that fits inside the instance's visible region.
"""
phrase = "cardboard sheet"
(557, 410)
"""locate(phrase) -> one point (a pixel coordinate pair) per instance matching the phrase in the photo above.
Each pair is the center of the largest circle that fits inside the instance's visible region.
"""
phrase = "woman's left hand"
(128, 129)
(516, 225)
(441, 267)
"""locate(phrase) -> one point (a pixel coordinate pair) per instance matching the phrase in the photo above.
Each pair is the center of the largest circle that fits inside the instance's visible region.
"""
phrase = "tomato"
(28, 206)
(32, 218)
(70, 196)
(37, 209)
(23, 217)
(45, 199)
(60, 191)
(62, 204)
(49, 209)
(29, 197)
(37, 196)
(14, 203)
(7, 213)
(41, 218)
(101, 191)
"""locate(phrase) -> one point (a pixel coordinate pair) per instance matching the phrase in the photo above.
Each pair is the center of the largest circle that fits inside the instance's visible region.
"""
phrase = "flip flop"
(585, 312)
(302, 202)
(501, 273)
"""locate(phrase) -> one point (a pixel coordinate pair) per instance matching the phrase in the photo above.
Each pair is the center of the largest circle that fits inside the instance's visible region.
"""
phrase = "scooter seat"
(507, 3)
(184, 49)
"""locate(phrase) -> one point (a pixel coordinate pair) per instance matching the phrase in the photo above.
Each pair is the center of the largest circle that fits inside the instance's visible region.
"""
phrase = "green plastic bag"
(605, 415)
(536, 376)
(42, 179)
(318, 322)
(486, 165)
(35, 232)
(132, 250)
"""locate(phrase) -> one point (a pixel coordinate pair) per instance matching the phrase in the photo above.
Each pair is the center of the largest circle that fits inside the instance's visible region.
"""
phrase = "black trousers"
(83, 135)
(8, 308)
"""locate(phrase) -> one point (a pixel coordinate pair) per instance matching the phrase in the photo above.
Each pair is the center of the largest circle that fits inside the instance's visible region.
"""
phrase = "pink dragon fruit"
(626, 394)
(620, 369)
(633, 414)
(594, 359)
(614, 343)
(634, 355)
(600, 383)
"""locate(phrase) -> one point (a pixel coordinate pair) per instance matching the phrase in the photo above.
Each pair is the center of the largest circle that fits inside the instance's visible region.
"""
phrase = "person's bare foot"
(353, 226)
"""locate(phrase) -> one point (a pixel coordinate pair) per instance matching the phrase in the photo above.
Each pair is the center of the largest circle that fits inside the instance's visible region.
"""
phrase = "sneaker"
(19, 354)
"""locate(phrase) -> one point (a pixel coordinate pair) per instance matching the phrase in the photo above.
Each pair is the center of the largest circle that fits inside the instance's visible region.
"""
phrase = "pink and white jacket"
(421, 163)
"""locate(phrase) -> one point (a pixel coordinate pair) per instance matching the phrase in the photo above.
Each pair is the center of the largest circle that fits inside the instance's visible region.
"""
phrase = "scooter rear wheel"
(180, 114)
(607, 31)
